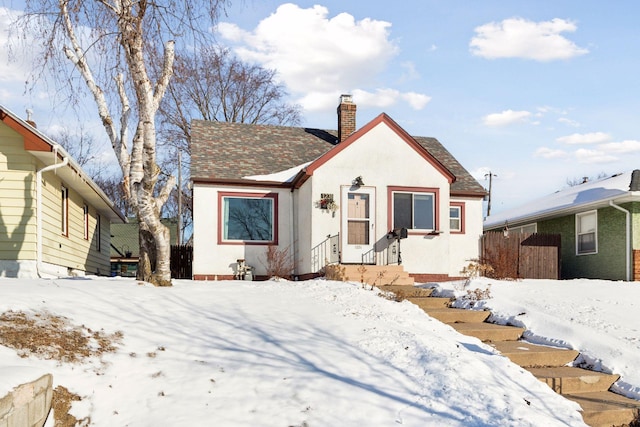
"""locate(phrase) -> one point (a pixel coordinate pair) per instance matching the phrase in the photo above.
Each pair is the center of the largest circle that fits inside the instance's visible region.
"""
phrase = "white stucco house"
(330, 197)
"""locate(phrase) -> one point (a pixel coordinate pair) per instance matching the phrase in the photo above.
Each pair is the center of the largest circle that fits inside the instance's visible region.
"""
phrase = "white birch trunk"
(139, 168)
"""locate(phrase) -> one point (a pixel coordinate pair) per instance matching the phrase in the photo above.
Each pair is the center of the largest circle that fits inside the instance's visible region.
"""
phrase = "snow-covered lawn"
(314, 353)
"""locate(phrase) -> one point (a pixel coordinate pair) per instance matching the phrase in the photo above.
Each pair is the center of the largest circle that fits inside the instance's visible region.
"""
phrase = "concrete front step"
(458, 315)
(604, 408)
(566, 379)
(431, 302)
(489, 331)
(376, 275)
(534, 356)
(404, 291)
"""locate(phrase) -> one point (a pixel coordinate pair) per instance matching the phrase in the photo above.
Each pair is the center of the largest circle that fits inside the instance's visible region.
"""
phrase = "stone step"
(376, 275)
(404, 291)
(489, 331)
(534, 356)
(431, 302)
(567, 380)
(604, 408)
(458, 315)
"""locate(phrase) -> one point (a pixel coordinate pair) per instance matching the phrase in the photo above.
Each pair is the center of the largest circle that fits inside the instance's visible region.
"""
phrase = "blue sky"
(537, 92)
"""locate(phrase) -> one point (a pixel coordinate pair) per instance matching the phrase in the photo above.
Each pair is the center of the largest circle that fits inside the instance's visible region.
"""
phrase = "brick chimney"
(346, 117)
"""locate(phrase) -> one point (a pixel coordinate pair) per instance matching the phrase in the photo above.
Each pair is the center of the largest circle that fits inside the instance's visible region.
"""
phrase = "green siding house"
(599, 224)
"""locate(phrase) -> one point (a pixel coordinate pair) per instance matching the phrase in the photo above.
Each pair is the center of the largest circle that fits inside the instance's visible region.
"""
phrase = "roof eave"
(49, 152)
(240, 182)
(631, 196)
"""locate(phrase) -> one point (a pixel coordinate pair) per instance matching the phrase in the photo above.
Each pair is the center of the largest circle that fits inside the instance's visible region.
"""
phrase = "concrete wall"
(28, 404)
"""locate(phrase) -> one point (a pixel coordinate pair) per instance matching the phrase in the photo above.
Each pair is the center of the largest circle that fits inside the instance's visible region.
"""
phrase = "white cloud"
(311, 50)
(628, 146)
(549, 153)
(520, 38)
(585, 138)
(318, 57)
(416, 100)
(569, 122)
(584, 155)
(506, 117)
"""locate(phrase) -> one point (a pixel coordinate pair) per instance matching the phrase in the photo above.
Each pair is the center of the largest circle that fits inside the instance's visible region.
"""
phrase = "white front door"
(358, 224)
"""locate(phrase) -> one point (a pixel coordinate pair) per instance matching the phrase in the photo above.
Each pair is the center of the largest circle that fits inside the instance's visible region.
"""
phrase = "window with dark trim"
(98, 234)
(64, 203)
(456, 218)
(248, 218)
(85, 215)
(414, 209)
(587, 233)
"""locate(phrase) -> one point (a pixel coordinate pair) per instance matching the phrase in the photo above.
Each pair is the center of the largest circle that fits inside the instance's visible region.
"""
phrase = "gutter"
(627, 238)
(65, 161)
(551, 213)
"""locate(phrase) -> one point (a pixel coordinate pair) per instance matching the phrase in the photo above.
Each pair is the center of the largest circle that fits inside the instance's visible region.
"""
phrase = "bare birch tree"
(111, 45)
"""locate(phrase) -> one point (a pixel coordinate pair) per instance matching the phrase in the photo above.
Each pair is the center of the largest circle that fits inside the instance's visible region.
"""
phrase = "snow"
(599, 318)
(316, 353)
(575, 197)
(286, 175)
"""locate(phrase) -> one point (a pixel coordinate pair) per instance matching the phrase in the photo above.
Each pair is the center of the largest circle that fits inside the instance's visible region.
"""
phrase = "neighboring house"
(54, 220)
(327, 197)
(599, 224)
(125, 246)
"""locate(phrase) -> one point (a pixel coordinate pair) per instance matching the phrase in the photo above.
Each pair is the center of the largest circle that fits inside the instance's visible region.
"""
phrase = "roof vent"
(635, 181)
(29, 119)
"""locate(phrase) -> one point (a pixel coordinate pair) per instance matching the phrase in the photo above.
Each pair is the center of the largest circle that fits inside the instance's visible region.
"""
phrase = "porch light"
(358, 181)
(505, 232)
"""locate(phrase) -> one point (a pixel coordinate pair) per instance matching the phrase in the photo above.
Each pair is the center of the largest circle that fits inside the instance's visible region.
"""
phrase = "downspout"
(628, 237)
(39, 265)
(292, 230)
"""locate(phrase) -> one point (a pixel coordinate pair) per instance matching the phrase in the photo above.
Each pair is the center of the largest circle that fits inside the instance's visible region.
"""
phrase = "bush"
(279, 262)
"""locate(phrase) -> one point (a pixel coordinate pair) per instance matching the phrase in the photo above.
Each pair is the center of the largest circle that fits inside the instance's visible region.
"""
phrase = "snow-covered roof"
(286, 175)
(589, 195)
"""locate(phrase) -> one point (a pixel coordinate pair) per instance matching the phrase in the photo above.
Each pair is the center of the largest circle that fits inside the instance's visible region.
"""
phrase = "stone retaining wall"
(28, 404)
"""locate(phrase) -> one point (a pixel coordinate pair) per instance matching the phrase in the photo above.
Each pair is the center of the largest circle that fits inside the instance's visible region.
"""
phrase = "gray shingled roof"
(230, 151)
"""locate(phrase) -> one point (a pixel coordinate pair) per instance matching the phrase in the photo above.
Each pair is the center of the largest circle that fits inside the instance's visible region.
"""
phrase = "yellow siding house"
(54, 220)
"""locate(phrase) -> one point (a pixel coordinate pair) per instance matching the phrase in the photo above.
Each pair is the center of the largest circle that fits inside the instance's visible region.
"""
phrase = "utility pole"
(179, 197)
(490, 175)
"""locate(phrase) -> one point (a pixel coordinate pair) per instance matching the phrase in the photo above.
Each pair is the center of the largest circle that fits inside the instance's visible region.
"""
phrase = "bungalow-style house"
(125, 245)
(54, 220)
(599, 224)
(372, 196)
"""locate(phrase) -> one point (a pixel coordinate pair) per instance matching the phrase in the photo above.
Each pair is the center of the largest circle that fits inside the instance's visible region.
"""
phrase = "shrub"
(279, 262)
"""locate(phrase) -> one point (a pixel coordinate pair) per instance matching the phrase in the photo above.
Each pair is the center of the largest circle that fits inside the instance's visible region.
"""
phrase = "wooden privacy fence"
(181, 261)
(522, 255)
